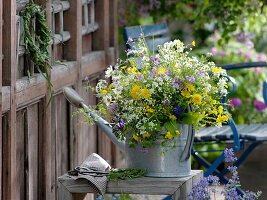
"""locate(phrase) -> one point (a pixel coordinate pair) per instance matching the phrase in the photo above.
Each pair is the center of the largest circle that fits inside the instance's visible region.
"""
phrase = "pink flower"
(240, 52)
(259, 70)
(259, 105)
(213, 51)
(221, 53)
(261, 57)
(235, 102)
(247, 56)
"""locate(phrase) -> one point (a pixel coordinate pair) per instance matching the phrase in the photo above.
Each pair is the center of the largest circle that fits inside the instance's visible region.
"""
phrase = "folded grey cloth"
(94, 169)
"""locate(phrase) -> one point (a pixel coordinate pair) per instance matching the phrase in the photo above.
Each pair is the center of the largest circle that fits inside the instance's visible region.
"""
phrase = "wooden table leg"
(63, 193)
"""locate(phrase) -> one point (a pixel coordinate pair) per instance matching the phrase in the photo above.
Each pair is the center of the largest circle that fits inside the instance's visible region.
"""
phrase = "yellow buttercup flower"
(185, 93)
(189, 87)
(177, 132)
(145, 93)
(146, 135)
(193, 43)
(220, 109)
(135, 137)
(168, 135)
(197, 99)
(135, 93)
(214, 70)
(104, 92)
(160, 70)
(222, 118)
(123, 67)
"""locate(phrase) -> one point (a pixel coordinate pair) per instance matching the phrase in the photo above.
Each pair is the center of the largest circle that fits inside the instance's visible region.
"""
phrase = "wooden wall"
(39, 142)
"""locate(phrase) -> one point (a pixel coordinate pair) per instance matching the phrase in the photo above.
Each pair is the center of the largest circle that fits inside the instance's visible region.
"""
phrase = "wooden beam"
(73, 52)
(9, 79)
(47, 138)
(30, 89)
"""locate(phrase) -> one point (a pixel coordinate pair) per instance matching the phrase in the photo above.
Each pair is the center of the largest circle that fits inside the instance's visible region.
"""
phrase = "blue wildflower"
(177, 111)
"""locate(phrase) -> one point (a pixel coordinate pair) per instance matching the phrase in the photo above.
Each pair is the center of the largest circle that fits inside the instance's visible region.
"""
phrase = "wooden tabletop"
(178, 187)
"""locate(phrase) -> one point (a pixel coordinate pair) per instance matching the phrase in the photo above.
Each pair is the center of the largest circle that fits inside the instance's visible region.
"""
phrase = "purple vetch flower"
(144, 150)
(120, 124)
(190, 78)
(177, 111)
(169, 73)
(166, 102)
(201, 73)
(222, 53)
(140, 77)
(259, 70)
(130, 40)
(235, 102)
(114, 119)
(177, 83)
(247, 56)
(261, 57)
(151, 75)
(155, 60)
(259, 105)
(213, 51)
(229, 155)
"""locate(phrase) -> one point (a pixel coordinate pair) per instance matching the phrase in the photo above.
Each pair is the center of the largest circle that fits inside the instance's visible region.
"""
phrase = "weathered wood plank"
(32, 151)
(6, 158)
(34, 87)
(47, 140)
(1, 136)
(9, 79)
(58, 6)
(145, 185)
(21, 154)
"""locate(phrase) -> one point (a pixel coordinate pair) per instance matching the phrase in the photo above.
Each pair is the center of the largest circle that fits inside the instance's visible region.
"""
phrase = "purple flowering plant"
(150, 94)
(246, 104)
(202, 190)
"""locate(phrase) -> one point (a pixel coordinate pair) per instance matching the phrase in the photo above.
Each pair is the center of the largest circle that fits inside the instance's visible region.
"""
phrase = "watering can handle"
(73, 97)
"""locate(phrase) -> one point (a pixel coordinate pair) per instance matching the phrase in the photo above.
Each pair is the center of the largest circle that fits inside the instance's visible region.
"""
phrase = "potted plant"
(154, 99)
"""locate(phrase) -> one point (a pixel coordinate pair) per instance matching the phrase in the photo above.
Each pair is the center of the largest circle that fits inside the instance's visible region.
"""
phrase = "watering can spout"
(73, 97)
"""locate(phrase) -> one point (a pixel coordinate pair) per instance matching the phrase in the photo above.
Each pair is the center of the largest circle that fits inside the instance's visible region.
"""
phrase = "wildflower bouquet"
(150, 94)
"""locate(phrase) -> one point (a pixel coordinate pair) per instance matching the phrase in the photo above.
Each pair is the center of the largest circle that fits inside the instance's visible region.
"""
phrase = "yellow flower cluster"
(138, 92)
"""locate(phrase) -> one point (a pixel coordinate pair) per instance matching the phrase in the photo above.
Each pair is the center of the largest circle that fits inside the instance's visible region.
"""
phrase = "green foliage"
(124, 174)
(206, 15)
(38, 53)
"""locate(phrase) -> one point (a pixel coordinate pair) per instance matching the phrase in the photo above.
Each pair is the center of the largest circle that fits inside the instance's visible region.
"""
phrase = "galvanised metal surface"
(161, 161)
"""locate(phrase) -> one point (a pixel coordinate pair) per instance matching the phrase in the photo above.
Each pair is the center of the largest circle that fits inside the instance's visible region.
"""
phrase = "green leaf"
(171, 126)
(192, 118)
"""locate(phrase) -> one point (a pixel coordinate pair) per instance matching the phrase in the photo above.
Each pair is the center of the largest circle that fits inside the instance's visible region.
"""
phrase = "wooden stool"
(178, 187)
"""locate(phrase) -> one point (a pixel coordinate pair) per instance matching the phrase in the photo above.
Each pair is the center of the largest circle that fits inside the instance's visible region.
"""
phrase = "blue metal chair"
(236, 136)
(155, 35)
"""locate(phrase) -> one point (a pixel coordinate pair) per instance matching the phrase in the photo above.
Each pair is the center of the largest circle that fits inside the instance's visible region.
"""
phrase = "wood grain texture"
(9, 79)
(1, 136)
(21, 153)
(32, 151)
(145, 185)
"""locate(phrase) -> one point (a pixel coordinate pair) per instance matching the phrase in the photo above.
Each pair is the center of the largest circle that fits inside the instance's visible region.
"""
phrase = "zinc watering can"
(160, 161)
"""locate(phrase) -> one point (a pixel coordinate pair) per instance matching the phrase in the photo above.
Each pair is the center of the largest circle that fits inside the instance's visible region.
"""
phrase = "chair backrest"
(156, 34)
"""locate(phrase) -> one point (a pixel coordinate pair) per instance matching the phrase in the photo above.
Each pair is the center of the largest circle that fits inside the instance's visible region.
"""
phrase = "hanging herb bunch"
(36, 44)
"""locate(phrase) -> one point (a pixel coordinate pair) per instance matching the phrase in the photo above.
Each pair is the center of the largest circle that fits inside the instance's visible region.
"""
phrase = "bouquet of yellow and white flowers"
(152, 92)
